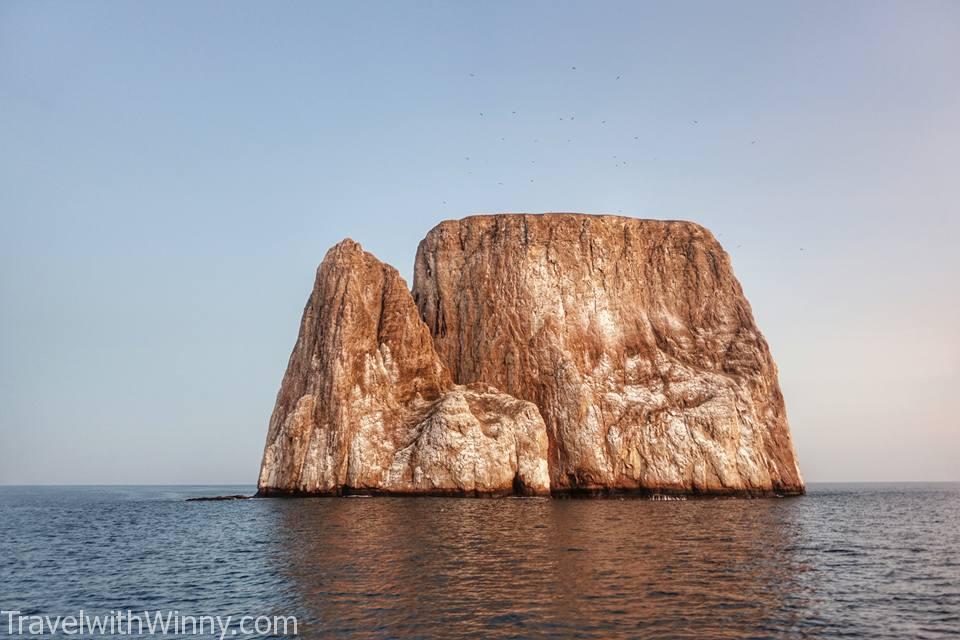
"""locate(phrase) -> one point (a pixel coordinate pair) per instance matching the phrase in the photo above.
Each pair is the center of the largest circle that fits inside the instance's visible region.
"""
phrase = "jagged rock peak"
(367, 406)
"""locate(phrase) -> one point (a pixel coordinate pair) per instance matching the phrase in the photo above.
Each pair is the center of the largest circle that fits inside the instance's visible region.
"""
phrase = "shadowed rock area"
(628, 350)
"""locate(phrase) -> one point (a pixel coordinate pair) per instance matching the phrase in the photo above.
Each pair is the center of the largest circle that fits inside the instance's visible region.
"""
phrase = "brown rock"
(633, 337)
(367, 406)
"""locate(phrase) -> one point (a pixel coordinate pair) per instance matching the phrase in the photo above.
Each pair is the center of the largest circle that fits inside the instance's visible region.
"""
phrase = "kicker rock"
(634, 339)
(367, 406)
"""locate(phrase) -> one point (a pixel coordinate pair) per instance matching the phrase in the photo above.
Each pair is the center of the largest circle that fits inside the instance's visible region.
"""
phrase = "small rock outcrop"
(367, 406)
(632, 337)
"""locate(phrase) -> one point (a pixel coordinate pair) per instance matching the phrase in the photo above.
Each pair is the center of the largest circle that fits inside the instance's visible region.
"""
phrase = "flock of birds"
(619, 162)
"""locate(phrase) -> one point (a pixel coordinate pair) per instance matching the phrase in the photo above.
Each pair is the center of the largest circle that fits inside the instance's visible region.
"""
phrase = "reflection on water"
(864, 561)
(831, 563)
(500, 568)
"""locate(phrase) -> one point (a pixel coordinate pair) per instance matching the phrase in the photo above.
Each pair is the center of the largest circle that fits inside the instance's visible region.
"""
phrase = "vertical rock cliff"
(632, 337)
(366, 404)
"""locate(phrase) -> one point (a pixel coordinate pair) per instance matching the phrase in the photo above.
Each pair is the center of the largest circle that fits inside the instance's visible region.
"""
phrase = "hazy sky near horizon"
(171, 174)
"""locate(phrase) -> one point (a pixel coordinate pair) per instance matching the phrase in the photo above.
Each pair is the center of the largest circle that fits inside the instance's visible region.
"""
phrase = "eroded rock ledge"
(631, 338)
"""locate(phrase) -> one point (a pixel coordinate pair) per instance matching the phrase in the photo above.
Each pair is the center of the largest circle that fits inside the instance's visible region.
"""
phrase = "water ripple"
(854, 561)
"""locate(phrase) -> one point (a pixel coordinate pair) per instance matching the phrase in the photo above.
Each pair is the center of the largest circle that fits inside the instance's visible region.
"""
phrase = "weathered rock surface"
(634, 339)
(367, 406)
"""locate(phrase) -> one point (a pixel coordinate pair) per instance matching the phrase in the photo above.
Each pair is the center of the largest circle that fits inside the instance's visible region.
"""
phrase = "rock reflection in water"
(431, 567)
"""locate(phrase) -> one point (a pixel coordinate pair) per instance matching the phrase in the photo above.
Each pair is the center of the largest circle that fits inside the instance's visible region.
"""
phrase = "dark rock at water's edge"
(560, 494)
(646, 493)
(350, 492)
(555, 354)
(217, 498)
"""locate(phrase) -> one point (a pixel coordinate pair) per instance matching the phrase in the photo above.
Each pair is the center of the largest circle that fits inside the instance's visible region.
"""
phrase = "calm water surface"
(863, 561)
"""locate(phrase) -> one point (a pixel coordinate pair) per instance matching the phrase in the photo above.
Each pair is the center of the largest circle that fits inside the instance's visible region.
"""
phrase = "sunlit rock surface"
(367, 406)
(628, 350)
(632, 337)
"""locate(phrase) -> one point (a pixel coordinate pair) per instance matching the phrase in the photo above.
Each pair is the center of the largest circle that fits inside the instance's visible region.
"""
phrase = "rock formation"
(632, 337)
(367, 406)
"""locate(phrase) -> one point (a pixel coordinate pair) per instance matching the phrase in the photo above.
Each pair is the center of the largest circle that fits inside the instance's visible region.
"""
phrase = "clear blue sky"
(171, 173)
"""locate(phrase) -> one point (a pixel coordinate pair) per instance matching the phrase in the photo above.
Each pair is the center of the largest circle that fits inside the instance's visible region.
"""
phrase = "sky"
(171, 174)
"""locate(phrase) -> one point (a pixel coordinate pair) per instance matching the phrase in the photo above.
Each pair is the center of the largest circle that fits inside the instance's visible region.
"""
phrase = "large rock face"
(366, 404)
(633, 338)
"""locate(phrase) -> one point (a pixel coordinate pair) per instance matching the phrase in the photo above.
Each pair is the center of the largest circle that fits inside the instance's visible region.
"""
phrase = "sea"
(844, 561)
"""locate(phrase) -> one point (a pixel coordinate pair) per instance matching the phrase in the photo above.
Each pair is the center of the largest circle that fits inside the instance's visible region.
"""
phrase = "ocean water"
(856, 561)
